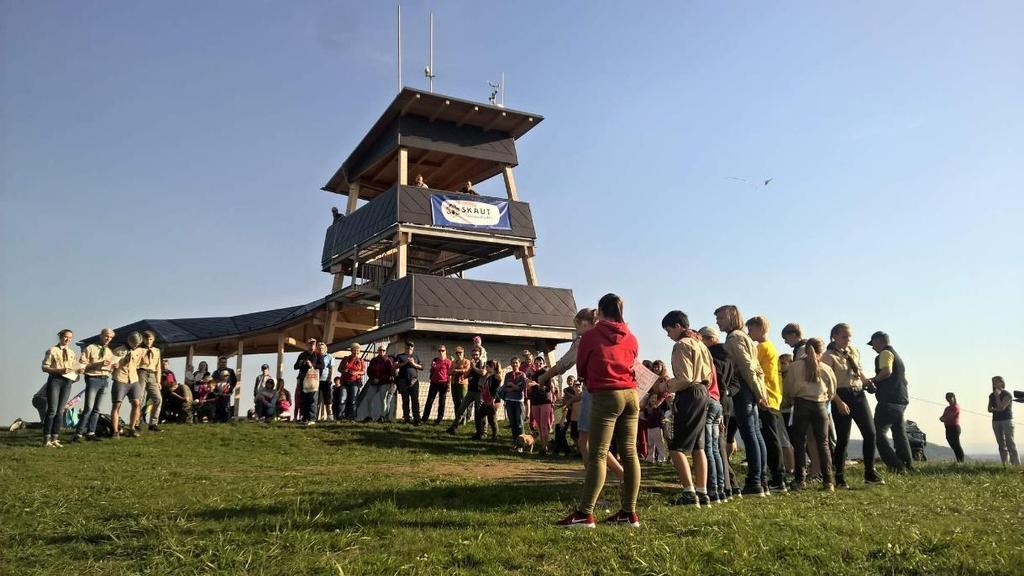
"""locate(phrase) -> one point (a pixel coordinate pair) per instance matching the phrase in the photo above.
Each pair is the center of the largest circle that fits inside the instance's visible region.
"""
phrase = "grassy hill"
(246, 498)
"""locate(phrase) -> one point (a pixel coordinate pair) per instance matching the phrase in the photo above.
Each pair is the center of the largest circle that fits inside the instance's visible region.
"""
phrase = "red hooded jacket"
(605, 357)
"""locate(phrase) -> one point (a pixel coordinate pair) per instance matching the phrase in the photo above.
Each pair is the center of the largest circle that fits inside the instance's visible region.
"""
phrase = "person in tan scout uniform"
(149, 377)
(97, 362)
(61, 364)
(126, 383)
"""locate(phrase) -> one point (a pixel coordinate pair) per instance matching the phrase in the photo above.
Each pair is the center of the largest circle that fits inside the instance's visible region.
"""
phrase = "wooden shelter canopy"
(449, 141)
(261, 331)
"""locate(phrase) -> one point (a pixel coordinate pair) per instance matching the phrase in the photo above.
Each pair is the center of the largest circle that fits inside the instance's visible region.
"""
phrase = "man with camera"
(890, 388)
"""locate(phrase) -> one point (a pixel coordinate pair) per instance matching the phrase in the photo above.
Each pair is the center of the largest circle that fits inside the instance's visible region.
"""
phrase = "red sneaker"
(622, 518)
(577, 520)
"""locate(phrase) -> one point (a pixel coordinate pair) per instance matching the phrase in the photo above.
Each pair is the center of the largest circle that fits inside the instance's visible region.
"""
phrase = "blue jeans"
(95, 388)
(351, 389)
(716, 470)
(58, 389)
(748, 423)
(309, 405)
(514, 411)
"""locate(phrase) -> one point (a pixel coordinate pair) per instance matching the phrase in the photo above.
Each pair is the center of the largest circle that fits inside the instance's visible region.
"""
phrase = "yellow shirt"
(885, 360)
(691, 364)
(60, 357)
(768, 357)
(127, 368)
(149, 359)
(94, 353)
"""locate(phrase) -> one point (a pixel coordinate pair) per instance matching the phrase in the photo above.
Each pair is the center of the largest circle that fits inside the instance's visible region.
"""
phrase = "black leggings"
(953, 437)
(860, 413)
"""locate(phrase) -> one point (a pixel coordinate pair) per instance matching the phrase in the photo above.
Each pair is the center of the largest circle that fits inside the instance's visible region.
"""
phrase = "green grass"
(376, 499)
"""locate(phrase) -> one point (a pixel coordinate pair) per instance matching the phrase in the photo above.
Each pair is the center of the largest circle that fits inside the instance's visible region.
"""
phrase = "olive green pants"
(613, 415)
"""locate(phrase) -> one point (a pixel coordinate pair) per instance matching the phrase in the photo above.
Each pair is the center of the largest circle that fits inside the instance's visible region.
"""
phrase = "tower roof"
(451, 141)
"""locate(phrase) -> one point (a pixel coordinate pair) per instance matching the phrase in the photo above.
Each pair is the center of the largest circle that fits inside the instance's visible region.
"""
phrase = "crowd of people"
(794, 411)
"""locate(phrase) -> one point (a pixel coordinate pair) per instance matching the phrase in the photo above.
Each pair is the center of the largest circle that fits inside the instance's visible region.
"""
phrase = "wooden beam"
(466, 116)
(329, 326)
(403, 166)
(401, 259)
(440, 108)
(353, 198)
(494, 122)
(280, 360)
(519, 125)
(531, 272)
(238, 375)
(510, 183)
(409, 105)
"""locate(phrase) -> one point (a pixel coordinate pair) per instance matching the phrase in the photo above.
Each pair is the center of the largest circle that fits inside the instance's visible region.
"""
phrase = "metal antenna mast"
(399, 22)
(429, 70)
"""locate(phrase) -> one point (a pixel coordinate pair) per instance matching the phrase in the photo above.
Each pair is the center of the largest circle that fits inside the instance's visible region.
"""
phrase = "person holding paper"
(61, 364)
(97, 361)
(692, 373)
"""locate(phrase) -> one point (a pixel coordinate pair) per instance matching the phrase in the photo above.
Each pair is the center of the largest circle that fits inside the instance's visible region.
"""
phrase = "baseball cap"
(879, 335)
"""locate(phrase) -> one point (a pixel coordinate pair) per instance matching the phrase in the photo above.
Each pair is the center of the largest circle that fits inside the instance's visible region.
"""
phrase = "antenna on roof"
(429, 70)
(497, 97)
(399, 23)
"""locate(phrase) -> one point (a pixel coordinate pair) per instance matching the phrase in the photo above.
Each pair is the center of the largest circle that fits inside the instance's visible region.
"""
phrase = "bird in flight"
(758, 184)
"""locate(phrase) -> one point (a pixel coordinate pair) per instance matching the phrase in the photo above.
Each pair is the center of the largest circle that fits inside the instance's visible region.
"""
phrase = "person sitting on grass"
(204, 404)
(266, 400)
(284, 404)
(177, 402)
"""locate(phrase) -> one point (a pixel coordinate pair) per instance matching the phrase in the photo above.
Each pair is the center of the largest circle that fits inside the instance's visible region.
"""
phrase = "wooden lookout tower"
(403, 252)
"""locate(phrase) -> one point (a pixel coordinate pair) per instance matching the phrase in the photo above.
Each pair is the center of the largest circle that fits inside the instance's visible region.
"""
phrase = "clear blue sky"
(190, 139)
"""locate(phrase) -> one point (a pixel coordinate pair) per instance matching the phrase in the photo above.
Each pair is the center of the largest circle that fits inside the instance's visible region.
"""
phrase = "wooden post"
(526, 254)
(238, 375)
(280, 360)
(353, 198)
(510, 183)
(403, 166)
(401, 265)
(332, 316)
(189, 368)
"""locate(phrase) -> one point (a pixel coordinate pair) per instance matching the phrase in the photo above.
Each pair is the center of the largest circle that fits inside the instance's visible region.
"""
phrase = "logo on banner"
(470, 213)
(481, 214)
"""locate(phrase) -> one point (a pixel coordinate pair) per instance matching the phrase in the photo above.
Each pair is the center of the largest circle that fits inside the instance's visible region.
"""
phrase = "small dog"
(524, 442)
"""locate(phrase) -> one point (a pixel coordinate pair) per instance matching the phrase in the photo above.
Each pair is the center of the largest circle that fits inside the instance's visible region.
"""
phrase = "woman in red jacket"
(604, 361)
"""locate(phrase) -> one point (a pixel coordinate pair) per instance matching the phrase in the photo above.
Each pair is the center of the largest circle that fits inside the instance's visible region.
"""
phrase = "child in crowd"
(654, 405)
(542, 398)
(204, 400)
(284, 404)
(266, 400)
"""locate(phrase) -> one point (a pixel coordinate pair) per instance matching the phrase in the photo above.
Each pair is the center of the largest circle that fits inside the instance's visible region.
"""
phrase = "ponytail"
(813, 349)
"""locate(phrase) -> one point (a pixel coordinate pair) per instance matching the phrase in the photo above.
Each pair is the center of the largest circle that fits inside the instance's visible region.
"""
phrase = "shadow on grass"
(422, 506)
